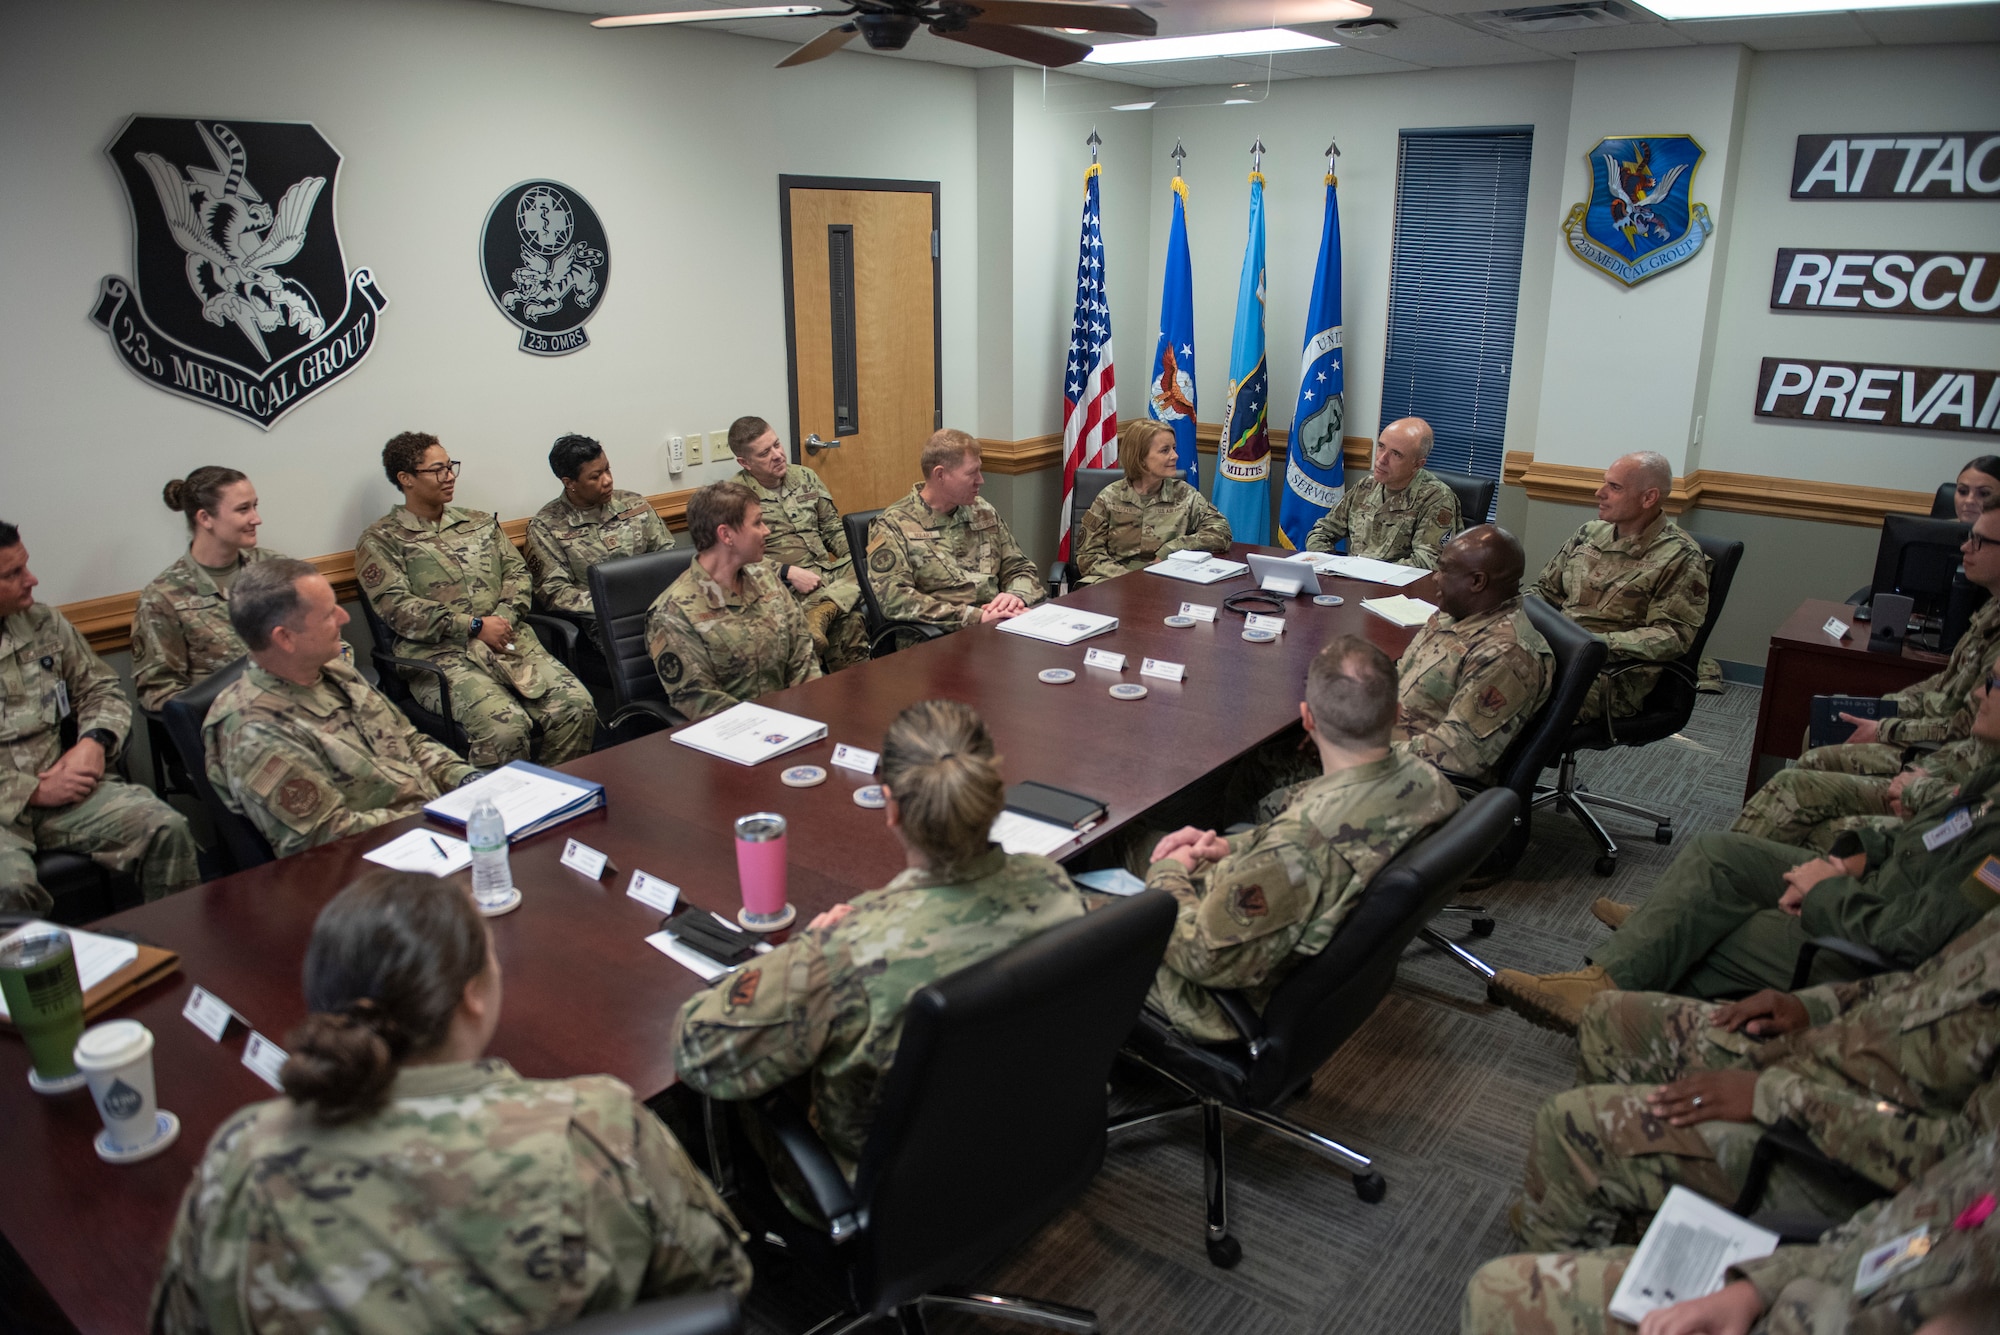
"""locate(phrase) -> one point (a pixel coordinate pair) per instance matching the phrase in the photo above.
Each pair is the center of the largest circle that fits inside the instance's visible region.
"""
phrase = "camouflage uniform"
(714, 649)
(831, 1002)
(1407, 526)
(1470, 687)
(1880, 1083)
(1813, 807)
(181, 632)
(806, 531)
(475, 1200)
(1125, 531)
(1805, 1290)
(119, 825)
(427, 582)
(1247, 921)
(942, 568)
(1645, 597)
(565, 542)
(1712, 926)
(308, 764)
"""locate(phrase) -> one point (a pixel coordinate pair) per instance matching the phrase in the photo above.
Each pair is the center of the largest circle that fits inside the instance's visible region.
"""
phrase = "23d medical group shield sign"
(1641, 218)
(240, 298)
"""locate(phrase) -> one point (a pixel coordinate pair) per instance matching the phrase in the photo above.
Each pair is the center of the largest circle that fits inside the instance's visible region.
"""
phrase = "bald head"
(1479, 570)
(1636, 487)
(1401, 450)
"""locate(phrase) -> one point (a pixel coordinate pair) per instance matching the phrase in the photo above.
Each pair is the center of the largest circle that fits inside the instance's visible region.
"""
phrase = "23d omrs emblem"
(546, 264)
(240, 298)
(1641, 218)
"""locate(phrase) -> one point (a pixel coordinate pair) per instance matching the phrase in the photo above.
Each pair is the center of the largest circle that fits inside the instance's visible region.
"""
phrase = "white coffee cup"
(117, 1059)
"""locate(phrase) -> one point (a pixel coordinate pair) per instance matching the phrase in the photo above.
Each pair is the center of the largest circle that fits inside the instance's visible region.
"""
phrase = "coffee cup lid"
(113, 1043)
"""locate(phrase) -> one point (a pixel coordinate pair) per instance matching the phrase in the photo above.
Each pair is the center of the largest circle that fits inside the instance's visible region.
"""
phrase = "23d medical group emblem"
(240, 298)
(546, 264)
(1641, 218)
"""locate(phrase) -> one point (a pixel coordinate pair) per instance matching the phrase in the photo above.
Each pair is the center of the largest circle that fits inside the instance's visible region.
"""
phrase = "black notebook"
(1058, 806)
(1830, 729)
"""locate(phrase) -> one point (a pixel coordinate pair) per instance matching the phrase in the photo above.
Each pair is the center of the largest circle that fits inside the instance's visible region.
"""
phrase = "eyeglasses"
(1974, 542)
(1992, 682)
(448, 469)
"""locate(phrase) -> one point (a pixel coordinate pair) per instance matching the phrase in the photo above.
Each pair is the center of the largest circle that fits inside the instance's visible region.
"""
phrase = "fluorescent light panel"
(1745, 9)
(1256, 42)
(706, 16)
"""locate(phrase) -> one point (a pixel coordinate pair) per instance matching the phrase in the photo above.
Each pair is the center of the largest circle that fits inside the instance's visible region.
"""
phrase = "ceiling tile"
(1356, 59)
(1632, 37)
(1425, 39)
(1959, 23)
(1790, 32)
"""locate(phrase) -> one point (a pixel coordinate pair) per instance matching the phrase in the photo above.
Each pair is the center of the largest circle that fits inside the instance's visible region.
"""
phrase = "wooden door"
(861, 274)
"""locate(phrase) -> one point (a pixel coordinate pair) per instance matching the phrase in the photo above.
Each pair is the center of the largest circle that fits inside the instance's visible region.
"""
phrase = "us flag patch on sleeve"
(1988, 874)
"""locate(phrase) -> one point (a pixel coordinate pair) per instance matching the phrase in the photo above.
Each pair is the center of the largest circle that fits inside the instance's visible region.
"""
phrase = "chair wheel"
(1606, 864)
(1224, 1252)
(1482, 926)
(1371, 1188)
(1663, 834)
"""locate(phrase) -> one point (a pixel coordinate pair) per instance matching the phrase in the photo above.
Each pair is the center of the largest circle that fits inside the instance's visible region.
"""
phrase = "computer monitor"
(1918, 556)
(1965, 599)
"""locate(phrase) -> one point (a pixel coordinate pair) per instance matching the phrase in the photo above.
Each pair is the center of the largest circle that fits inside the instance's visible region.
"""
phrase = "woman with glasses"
(453, 591)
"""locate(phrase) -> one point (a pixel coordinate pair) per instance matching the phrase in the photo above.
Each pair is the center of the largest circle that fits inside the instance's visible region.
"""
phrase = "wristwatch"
(477, 622)
(784, 573)
(104, 737)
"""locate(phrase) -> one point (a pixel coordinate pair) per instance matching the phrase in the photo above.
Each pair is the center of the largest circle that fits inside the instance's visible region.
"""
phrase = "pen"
(437, 847)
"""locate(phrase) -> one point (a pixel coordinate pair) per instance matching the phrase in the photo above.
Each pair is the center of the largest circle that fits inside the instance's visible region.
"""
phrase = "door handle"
(814, 444)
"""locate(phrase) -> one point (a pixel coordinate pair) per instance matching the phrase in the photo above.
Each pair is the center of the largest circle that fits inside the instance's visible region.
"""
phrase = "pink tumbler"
(760, 866)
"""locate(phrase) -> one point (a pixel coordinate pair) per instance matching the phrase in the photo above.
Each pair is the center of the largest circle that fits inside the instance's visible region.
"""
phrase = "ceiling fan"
(888, 25)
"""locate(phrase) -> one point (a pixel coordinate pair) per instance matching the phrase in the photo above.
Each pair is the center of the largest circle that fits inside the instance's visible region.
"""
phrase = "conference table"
(584, 990)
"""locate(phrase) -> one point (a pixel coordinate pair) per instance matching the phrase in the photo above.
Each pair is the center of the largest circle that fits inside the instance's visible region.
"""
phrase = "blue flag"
(1314, 474)
(1243, 463)
(1171, 397)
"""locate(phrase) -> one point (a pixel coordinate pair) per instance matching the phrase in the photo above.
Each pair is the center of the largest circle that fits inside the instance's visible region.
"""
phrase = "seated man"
(592, 521)
(1400, 512)
(453, 591)
(1478, 671)
(1255, 906)
(1731, 911)
(807, 541)
(301, 745)
(1677, 1092)
(1633, 578)
(941, 554)
(54, 798)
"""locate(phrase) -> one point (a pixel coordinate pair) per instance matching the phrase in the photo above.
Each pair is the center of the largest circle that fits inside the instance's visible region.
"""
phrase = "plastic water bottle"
(492, 878)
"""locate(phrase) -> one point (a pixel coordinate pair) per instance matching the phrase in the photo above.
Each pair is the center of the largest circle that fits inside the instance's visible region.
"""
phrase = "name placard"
(266, 1058)
(1161, 668)
(1920, 398)
(1258, 621)
(1898, 164)
(1104, 658)
(1886, 281)
(208, 1013)
(583, 858)
(1199, 611)
(653, 892)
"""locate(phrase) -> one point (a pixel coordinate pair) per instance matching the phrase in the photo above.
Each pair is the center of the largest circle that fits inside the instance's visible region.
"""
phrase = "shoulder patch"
(670, 669)
(743, 991)
(1250, 901)
(882, 560)
(1444, 518)
(1492, 700)
(1988, 874)
(371, 573)
(299, 797)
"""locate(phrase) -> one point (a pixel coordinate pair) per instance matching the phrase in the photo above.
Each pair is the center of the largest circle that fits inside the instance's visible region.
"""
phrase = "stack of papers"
(1110, 881)
(531, 799)
(1687, 1248)
(420, 850)
(1058, 624)
(749, 733)
(1362, 568)
(1405, 612)
(1024, 834)
(1197, 572)
(97, 957)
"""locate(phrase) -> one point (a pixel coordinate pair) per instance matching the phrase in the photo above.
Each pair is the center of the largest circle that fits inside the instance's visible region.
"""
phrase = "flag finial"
(1332, 154)
(1093, 143)
(1179, 155)
(1257, 154)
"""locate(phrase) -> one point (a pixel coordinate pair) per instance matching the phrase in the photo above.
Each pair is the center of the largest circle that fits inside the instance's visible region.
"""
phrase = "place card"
(208, 1013)
(266, 1058)
(854, 758)
(1257, 621)
(653, 892)
(580, 857)
(1160, 667)
(1104, 658)
(1836, 627)
(1199, 611)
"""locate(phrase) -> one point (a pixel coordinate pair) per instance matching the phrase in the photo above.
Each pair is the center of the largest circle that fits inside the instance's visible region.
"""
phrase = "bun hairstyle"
(200, 490)
(389, 960)
(938, 762)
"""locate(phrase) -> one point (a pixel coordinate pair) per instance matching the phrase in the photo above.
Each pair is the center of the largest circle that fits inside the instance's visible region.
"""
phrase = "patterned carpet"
(1439, 1087)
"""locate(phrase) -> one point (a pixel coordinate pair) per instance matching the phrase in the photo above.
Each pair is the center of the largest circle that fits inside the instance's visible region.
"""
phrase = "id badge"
(1955, 825)
(1881, 1264)
(62, 699)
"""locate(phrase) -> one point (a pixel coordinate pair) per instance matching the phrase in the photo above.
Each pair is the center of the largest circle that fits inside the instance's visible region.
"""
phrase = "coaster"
(1327, 599)
(1128, 690)
(507, 905)
(1056, 676)
(166, 1130)
(777, 920)
(1180, 622)
(803, 776)
(62, 1084)
(1260, 636)
(871, 797)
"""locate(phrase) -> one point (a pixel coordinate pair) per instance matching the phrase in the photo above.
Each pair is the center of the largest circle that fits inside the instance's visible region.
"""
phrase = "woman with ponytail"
(830, 1001)
(407, 1183)
(181, 631)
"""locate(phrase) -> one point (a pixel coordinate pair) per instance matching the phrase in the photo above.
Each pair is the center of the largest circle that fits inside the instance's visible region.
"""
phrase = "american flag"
(1090, 399)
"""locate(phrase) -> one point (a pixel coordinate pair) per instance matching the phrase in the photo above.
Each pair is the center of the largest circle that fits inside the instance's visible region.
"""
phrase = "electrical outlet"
(694, 454)
(718, 444)
(676, 455)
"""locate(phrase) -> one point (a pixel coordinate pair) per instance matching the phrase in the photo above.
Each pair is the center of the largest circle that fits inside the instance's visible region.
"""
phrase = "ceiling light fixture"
(1256, 42)
(1744, 9)
(706, 16)
(1134, 106)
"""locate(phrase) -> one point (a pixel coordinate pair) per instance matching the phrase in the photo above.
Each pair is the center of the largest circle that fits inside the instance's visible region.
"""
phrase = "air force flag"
(1171, 396)
(1243, 463)
(1314, 474)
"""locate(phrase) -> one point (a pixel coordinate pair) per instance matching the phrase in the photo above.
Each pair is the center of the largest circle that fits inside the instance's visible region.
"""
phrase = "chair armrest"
(557, 634)
(923, 630)
(787, 1121)
(665, 715)
(1786, 1139)
(1860, 954)
(386, 662)
(1243, 1016)
(1058, 572)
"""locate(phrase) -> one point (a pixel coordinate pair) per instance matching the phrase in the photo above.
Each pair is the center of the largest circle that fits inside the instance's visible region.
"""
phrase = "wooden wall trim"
(1014, 457)
(1745, 493)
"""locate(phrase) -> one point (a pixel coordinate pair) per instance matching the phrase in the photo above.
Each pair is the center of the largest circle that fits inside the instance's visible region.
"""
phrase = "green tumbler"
(45, 1003)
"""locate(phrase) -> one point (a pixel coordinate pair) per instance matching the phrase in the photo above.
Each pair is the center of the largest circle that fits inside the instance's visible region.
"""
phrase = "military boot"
(1551, 1000)
(819, 620)
(1610, 912)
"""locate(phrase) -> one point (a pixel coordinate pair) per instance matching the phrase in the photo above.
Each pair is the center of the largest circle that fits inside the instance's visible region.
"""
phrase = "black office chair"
(1944, 505)
(82, 890)
(1315, 1010)
(1786, 1140)
(243, 845)
(623, 590)
(1088, 483)
(389, 669)
(1579, 657)
(884, 635)
(565, 636)
(1475, 495)
(715, 1313)
(169, 779)
(991, 1120)
(1664, 712)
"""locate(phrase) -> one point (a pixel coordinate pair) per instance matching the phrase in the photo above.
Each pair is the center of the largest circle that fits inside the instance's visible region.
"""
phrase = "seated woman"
(830, 1001)
(728, 630)
(1150, 514)
(181, 632)
(1976, 481)
(405, 1183)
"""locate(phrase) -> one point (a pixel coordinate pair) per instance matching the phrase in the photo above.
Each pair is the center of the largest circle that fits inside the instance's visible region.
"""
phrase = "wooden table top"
(585, 993)
(1805, 629)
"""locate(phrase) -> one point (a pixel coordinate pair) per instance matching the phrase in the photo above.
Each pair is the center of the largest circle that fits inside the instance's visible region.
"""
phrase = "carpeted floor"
(1439, 1088)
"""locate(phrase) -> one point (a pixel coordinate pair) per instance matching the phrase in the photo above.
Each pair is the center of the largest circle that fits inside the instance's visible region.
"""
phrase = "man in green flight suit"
(808, 541)
(1400, 511)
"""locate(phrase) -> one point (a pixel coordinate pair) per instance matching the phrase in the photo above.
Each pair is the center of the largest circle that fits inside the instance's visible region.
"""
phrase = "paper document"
(1402, 610)
(1110, 881)
(1362, 567)
(530, 799)
(97, 957)
(694, 960)
(1198, 572)
(420, 850)
(1024, 834)
(1058, 624)
(749, 733)
(1689, 1244)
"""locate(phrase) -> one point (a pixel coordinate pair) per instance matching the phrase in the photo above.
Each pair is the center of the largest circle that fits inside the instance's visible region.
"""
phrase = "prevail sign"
(1892, 282)
(1940, 164)
(1928, 398)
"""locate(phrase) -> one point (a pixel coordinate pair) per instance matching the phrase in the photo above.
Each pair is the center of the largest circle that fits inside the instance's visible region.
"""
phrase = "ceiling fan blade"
(1021, 43)
(707, 16)
(1053, 14)
(821, 46)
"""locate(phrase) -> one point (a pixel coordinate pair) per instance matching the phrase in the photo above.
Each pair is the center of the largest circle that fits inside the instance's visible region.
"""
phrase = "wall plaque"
(1921, 398)
(1887, 282)
(1903, 164)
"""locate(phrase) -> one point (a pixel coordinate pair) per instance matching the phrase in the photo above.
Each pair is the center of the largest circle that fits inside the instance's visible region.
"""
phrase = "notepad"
(1688, 1247)
(1211, 571)
(530, 799)
(420, 850)
(750, 733)
(1362, 568)
(1024, 834)
(1058, 624)
(1402, 610)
